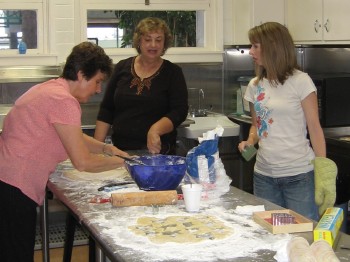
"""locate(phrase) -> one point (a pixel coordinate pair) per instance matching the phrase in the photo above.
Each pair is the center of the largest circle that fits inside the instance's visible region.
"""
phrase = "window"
(21, 21)
(16, 26)
(100, 22)
(114, 28)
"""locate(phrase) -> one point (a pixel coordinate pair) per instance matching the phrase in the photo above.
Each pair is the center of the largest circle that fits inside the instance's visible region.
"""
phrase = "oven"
(338, 148)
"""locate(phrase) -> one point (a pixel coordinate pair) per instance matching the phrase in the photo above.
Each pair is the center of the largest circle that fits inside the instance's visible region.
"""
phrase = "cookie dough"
(119, 174)
(181, 229)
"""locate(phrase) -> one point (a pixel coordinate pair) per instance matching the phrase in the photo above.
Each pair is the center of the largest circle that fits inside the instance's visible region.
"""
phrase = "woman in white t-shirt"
(283, 104)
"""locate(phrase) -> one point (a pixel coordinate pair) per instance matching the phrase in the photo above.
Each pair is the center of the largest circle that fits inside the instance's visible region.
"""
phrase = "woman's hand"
(116, 151)
(243, 145)
(159, 128)
(111, 150)
(154, 144)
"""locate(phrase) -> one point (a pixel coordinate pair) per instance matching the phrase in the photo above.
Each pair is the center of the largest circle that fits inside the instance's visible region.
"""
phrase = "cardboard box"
(302, 224)
(329, 225)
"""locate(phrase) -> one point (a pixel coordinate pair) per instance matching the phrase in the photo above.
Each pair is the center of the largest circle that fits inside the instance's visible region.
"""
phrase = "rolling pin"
(146, 198)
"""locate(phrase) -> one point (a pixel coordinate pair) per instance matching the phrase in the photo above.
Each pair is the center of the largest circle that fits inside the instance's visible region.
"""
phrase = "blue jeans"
(295, 192)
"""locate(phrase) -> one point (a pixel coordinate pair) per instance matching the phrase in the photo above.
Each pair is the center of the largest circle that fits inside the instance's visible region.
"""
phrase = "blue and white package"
(201, 159)
(205, 167)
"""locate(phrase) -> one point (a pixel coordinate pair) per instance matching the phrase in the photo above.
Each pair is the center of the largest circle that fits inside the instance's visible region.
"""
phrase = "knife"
(115, 184)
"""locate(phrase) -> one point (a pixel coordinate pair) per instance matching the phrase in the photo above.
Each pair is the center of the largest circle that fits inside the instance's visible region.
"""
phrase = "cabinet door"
(250, 13)
(228, 22)
(336, 20)
(241, 21)
(268, 11)
(304, 19)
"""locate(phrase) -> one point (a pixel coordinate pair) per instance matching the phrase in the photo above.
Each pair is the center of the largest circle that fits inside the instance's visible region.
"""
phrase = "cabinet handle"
(316, 26)
(327, 25)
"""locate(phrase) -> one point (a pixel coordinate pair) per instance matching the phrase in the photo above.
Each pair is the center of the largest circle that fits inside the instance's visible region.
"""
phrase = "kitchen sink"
(209, 122)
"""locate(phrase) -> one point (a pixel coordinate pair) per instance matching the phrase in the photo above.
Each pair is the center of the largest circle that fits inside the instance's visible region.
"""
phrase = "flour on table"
(181, 229)
(248, 239)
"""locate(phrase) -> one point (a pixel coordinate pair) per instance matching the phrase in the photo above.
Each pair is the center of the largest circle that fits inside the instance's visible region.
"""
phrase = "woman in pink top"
(42, 129)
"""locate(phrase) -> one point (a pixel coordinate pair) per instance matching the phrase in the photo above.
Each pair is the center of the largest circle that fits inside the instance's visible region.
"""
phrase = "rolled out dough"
(119, 174)
(181, 229)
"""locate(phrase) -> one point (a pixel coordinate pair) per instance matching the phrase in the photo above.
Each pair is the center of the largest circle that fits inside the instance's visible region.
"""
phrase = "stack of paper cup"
(192, 196)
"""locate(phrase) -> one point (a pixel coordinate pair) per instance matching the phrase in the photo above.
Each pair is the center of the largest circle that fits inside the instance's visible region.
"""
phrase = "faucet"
(200, 97)
(201, 112)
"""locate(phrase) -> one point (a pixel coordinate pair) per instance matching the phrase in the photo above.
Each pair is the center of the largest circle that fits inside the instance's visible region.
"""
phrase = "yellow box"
(329, 225)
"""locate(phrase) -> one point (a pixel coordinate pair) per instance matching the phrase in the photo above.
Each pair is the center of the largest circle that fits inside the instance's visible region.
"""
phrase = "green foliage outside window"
(181, 23)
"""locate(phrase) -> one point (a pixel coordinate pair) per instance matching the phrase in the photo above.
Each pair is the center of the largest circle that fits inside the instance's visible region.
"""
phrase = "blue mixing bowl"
(160, 172)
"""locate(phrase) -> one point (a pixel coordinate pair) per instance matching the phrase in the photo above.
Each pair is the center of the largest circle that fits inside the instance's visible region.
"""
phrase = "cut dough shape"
(181, 229)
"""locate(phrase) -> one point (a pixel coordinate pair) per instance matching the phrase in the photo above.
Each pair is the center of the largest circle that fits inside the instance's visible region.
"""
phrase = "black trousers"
(17, 225)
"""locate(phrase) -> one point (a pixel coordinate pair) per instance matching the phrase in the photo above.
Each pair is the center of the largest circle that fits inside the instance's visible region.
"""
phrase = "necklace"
(141, 83)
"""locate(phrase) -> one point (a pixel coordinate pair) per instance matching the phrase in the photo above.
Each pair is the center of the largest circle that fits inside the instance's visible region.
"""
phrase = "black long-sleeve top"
(131, 115)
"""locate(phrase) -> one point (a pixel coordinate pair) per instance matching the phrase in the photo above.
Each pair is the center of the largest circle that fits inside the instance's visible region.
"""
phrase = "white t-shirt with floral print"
(284, 149)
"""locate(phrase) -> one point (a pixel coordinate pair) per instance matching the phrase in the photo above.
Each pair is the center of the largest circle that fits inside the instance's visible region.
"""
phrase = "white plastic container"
(192, 196)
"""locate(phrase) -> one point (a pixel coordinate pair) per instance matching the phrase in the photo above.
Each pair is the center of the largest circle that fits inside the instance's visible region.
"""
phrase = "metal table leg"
(100, 257)
(92, 250)
(68, 243)
(45, 230)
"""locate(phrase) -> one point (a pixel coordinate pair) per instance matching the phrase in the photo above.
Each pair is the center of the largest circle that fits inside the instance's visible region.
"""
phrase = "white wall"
(62, 30)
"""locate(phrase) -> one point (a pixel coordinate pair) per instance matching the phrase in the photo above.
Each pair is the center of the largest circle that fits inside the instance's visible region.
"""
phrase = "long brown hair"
(277, 52)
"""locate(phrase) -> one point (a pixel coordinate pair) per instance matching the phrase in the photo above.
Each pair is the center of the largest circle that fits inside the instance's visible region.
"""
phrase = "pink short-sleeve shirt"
(30, 147)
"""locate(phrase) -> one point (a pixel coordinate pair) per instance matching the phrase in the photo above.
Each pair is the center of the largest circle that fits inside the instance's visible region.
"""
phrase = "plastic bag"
(200, 161)
(205, 166)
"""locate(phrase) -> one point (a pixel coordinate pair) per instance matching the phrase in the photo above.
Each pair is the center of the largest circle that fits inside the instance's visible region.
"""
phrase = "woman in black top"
(146, 97)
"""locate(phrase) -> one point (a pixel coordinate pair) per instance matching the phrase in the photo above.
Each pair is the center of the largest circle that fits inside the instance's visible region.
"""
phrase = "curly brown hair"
(88, 58)
(148, 25)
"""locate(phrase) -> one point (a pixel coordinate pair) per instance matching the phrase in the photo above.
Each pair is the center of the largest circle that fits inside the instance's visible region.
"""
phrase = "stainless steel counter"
(32, 74)
(77, 194)
(3, 112)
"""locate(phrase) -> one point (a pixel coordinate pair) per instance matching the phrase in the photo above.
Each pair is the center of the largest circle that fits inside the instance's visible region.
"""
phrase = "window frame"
(38, 6)
(213, 26)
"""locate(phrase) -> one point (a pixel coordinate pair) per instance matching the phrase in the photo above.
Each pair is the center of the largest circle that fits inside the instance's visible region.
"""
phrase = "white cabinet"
(318, 20)
(336, 20)
(249, 13)
(268, 11)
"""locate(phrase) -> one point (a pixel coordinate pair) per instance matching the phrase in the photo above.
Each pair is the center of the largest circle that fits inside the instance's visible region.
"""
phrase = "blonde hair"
(152, 24)
(277, 52)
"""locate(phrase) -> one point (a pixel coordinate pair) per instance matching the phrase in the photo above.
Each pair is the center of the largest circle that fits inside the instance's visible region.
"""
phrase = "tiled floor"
(57, 232)
(79, 254)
